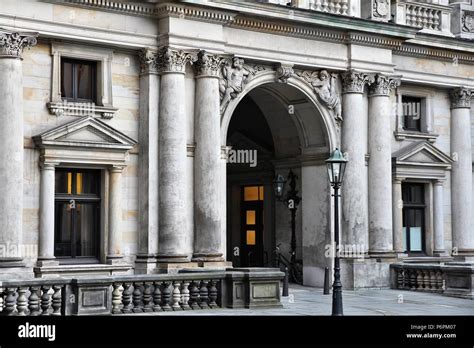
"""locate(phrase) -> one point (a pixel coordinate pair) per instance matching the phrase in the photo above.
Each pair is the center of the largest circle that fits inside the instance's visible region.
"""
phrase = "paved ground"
(311, 301)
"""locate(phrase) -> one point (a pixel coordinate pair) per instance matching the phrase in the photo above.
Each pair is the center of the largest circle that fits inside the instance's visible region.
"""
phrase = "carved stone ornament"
(208, 64)
(354, 81)
(467, 19)
(148, 62)
(234, 75)
(284, 72)
(324, 84)
(172, 60)
(460, 98)
(383, 84)
(380, 8)
(12, 44)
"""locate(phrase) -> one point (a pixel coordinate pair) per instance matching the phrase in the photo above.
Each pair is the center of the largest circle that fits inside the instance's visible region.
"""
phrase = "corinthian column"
(11, 145)
(148, 163)
(173, 236)
(207, 160)
(380, 166)
(461, 174)
(354, 145)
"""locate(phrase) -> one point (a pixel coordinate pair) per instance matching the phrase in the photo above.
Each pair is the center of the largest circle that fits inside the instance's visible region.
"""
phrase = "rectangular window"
(412, 113)
(78, 80)
(413, 217)
(77, 213)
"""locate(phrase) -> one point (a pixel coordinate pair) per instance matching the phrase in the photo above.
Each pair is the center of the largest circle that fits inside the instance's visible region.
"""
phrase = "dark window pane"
(86, 229)
(84, 81)
(67, 80)
(412, 113)
(88, 183)
(62, 246)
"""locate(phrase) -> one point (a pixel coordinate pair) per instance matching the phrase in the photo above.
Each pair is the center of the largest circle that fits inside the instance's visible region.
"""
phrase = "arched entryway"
(273, 128)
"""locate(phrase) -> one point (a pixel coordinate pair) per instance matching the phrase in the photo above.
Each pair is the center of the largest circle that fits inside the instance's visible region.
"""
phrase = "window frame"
(92, 84)
(417, 206)
(88, 198)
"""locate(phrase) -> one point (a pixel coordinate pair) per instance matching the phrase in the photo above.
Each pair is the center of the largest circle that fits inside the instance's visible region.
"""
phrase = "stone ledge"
(81, 270)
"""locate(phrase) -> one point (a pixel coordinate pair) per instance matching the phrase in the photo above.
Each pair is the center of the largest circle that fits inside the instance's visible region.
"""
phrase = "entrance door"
(252, 226)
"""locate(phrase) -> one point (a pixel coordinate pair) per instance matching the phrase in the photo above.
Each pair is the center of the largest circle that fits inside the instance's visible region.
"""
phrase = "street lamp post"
(336, 165)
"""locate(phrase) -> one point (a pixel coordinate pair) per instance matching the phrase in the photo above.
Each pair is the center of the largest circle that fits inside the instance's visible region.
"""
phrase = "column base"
(207, 257)
(174, 267)
(365, 273)
(464, 253)
(382, 254)
(114, 259)
(172, 258)
(146, 264)
(440, 253)
(45, 262)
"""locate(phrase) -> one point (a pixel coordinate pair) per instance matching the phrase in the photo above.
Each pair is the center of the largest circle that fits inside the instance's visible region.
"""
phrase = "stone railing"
(32, 297)
(428, 278)
(454, 279)
(131, 294)
(430, 17)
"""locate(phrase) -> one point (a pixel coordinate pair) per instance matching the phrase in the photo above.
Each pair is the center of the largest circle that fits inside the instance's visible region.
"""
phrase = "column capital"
(12, 44)
(398, 180)
(383, 85)
(48, 166)
(169, 60)
(148, 61)
(354, 81)
(116, 169)
(461, 98)
(439, 182)
(208, 64)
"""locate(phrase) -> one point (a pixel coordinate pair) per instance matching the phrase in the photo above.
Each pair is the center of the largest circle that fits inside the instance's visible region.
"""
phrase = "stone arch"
(331, 130)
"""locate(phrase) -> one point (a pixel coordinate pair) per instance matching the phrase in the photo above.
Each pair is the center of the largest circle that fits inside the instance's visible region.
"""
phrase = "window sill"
(403, 135)
(66, 108)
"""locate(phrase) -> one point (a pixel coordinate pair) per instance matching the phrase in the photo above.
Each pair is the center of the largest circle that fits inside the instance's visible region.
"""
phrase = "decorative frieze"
(460, 98)
(12, 44)
(355, 81)
(208, 65)
(383, 85)
(467, 20)
(324, 84)
(234, 75)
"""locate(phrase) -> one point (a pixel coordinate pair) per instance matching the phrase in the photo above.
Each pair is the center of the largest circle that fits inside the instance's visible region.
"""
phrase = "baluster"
(21, 301)
(127, 298)
(318, 5)
(2, 292)
(426, 279)
(116, 299)
(213, 294)
(45, 299)
(331, 6)
(176, 296)
(157, 298)
(436, 20)
(34, 301)
(345, 7)
(194, 295)
(433, 283)
(430, 20)
(166, 296)
(57, 298)
(424, 17)
(325, 5)
(337, 7)
(185, 295)
(147, 298)
(203, 295)
(399, 278)
(137, 298)
(412, 279)
(439, 281)
(419, 280)
(10, 301)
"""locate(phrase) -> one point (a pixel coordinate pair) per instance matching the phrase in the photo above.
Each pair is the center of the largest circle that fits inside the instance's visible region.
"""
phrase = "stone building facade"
(120, 120)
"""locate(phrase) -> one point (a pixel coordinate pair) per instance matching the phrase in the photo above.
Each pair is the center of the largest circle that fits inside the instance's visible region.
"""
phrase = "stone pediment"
(86, 132)
(422, 153)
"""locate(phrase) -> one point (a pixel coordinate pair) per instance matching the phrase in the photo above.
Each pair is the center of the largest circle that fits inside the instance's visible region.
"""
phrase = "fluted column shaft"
(461, 174)
(173, 232)
(354, 145)
(114, 254)
(11, 143)
(380, 166)
(207, 160)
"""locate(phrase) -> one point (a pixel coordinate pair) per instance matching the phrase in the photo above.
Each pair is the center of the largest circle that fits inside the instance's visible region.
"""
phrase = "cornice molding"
(434, 53)
(176, 10)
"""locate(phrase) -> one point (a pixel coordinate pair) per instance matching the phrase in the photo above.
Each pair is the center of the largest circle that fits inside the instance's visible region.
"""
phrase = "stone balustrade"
(431, 17)
(418, 277)
(191, 289)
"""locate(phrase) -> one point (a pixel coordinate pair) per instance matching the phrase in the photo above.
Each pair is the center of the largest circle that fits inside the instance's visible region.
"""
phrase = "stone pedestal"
(380, 167)
(354, 146)
(461, 174)
(145, 261)
(11, 144)
(207, 161)
(173, 232)
(114, 254)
